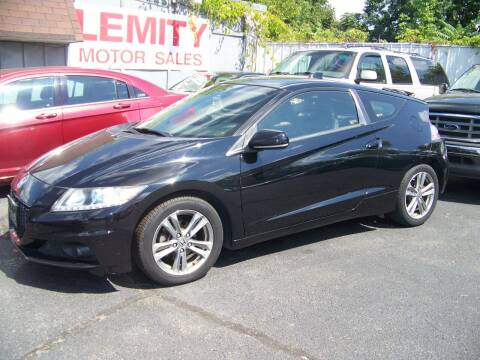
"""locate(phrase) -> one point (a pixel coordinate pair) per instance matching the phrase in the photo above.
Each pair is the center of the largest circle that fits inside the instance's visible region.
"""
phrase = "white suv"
(378, 68)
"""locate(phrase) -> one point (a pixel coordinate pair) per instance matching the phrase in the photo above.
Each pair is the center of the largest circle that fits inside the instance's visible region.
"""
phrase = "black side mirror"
(268, 139)
(442, 88)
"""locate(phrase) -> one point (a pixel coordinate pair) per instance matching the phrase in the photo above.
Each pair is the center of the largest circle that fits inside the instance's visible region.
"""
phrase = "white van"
(370, 66)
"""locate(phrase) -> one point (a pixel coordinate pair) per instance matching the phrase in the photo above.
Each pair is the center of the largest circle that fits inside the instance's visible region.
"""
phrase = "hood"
(457, 102)
(172, 97)
(111, 157)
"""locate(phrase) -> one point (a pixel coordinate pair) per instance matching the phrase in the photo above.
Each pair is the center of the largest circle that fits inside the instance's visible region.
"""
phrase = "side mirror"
(442, 88)
(367, 75)
(268, 139)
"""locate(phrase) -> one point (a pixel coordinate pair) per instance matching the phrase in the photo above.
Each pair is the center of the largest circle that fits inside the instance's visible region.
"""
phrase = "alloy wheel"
(182, 242)
(420, 195)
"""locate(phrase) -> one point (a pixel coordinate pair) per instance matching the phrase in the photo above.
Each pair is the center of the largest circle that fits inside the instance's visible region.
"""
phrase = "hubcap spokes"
(420, 195)
(182, 242)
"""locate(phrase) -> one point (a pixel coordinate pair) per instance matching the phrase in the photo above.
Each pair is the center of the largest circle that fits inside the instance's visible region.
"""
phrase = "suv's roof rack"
(379, 47)
(376, 47)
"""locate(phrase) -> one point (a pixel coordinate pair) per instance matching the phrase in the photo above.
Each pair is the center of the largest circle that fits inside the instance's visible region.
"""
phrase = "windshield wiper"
(151, 131)
(280, 73)
(465, 90)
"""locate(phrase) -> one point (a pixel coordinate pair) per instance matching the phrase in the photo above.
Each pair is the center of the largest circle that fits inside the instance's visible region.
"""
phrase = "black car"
(237, 164)
(456, 113)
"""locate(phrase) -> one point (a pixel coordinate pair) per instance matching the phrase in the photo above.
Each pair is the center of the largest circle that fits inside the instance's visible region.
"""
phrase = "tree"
(463, 12)
(304, 17)
(429, 24)
(352, 21)
(429, 21)
(382, 18)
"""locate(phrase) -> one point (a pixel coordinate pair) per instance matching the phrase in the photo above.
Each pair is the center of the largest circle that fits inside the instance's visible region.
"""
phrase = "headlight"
(434, 133)
(96, 198)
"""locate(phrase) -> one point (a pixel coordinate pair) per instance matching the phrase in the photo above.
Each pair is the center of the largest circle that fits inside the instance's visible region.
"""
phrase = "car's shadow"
(464, 191)
(68, 281)
(22, 272)
(4, 189)
(232, 257)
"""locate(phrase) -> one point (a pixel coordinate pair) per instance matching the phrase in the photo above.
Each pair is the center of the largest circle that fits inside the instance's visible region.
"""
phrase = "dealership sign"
(119, 38)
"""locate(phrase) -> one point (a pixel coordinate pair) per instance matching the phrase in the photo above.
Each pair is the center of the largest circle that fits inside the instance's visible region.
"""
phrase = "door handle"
(121, 106)
(374, 144)
(46, 116)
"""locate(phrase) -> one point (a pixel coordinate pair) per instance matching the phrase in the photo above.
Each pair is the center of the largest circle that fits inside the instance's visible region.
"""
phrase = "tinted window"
(122, 90)
(139, 93)
(372, 62)
(214, 112)
(428, 72)
(380, 107)
(28, 94)
(90, 89)
(311, 113)
(399, 70)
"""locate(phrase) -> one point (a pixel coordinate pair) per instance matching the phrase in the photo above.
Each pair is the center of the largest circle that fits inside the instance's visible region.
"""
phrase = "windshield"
(214, 112)
(330, 63)
(191, 84)
(470, 81)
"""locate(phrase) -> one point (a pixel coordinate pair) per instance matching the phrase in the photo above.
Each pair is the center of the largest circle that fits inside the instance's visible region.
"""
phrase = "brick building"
(36, 33)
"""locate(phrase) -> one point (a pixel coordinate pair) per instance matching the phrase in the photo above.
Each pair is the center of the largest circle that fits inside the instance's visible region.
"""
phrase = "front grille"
(457, 126)
(21, 216)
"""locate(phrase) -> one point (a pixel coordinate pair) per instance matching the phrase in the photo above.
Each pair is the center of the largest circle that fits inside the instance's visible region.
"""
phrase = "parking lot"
(363, 289)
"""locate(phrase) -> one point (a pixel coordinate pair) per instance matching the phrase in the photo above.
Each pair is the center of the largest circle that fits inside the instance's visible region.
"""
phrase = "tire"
(403, 213)
(170, 260)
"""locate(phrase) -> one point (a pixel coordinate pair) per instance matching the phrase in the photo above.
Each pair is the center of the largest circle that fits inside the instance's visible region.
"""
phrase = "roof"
(147, 86)
(285, 82)
(362, 49)
(53, 21)
(53, 69)
(293, 83)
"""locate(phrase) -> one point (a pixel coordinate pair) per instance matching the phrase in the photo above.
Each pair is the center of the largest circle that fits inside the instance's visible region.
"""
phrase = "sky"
(343, 6)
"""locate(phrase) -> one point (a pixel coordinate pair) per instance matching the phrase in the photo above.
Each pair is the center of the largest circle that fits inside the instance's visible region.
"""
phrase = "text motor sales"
(134, 39)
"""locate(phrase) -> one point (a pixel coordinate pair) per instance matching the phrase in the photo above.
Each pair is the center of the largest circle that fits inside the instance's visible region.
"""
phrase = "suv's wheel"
(417, 196)
(179, 240)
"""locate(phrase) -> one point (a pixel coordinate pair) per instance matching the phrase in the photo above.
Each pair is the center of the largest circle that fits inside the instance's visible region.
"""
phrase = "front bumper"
(98, 241)
(464, 160)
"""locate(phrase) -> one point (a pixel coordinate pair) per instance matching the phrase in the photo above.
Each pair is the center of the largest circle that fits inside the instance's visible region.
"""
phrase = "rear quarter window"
(381, 107)
(429, 73)
(139, 93)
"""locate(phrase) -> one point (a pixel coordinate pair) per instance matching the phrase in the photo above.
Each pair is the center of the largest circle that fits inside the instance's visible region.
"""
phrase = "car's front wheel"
(417, 196)
(179, 240)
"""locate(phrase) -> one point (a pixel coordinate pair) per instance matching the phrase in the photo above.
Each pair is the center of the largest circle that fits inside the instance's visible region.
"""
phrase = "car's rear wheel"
(417, 196)
(179, 240)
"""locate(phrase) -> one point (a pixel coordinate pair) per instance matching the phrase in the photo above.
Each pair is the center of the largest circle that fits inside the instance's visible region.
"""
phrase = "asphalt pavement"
(363, 289)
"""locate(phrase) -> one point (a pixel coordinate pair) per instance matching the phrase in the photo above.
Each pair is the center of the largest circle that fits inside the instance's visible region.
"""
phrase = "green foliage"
(420, 21)
(352, 21)
(285, 20)
(423, 21)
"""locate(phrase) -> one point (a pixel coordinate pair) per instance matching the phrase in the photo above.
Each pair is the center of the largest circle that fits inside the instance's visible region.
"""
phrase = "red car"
(42, 108)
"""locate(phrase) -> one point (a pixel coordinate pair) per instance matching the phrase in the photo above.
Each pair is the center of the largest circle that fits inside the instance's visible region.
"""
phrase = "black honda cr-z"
(236, 164)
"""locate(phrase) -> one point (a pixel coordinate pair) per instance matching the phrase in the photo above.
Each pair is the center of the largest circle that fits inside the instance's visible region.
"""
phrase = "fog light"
(77, 250)
(15, 238)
